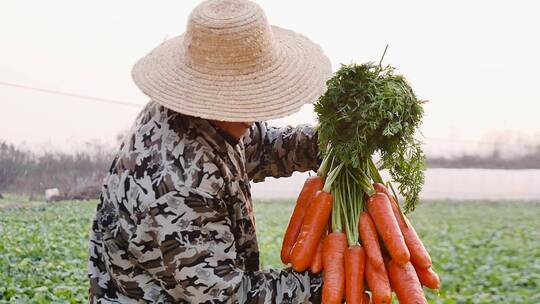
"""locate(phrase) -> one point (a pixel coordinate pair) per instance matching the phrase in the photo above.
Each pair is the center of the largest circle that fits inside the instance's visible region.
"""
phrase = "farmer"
(175, 220)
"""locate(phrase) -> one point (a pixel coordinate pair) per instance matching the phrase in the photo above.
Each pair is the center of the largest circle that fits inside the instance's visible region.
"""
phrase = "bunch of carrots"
(371, 243)
(346, 222)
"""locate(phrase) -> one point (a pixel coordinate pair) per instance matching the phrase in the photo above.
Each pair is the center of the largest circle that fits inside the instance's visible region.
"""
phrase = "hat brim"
(259, 92)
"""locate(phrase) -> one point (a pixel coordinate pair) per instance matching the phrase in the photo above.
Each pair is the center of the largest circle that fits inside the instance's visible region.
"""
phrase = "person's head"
(232, 65)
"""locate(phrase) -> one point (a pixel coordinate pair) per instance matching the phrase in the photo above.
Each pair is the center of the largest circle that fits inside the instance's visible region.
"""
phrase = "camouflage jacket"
(175, 222)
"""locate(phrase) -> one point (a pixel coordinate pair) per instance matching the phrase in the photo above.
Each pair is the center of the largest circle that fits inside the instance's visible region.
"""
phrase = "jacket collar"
(218, 139)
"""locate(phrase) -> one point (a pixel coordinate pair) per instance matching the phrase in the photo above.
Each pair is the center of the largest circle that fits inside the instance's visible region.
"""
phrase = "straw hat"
(231, 65)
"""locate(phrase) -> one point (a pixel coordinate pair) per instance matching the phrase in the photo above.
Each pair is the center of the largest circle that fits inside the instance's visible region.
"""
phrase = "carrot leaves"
(370, 109)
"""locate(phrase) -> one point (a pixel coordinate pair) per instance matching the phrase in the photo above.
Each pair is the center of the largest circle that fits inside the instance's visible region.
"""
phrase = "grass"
(485, 252)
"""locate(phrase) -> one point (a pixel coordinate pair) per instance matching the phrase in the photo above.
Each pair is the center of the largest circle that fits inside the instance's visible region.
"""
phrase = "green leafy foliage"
(43, 252)
(485, 252)
(369, 109)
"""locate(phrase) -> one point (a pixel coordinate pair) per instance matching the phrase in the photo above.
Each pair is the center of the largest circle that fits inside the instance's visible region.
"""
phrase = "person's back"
(175, 221)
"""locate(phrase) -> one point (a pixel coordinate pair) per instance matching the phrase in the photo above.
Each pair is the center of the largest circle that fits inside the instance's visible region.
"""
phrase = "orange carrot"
(355, 262)
(428, 277)
(380, 209)
(316, 264)
(419, 254)
(311, 185)
(377, 281)
(365, 298)
(370, 240)
(405, 283)
(334, 273)
(315, 221)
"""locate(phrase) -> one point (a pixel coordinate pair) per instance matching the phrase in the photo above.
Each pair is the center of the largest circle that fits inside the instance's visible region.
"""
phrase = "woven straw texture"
(232, 65)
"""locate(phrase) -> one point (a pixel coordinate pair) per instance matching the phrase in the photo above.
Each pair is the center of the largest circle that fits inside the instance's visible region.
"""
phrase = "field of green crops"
(485, 252)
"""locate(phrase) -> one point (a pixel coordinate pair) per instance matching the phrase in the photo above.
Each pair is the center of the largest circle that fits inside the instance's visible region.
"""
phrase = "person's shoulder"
(162, 150)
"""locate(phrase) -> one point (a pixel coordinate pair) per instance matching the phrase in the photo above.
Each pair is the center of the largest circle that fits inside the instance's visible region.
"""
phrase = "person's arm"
(184, 240)
(278, 152)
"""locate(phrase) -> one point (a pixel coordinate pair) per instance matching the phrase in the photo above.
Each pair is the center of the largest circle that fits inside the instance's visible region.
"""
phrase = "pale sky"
(476, 61)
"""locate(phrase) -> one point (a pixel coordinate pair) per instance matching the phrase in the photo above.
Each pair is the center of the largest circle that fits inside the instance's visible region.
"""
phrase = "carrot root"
(380, 209)
(378, 283)
(418, 252)
(405, 283)
(311, 186)
(315, 222)
(428, 277)
(370, 240)
(334, 247)
(355, 261)
(317, 265)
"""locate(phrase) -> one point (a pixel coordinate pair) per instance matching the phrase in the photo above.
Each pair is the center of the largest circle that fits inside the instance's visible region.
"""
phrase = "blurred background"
(66, 88)
(67, 98)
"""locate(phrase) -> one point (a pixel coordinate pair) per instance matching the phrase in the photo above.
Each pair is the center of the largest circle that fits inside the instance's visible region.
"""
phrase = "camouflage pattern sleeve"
(278, 152)
(185, 241)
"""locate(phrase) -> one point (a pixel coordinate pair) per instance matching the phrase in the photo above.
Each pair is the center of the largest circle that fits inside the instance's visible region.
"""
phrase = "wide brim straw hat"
(232, 65)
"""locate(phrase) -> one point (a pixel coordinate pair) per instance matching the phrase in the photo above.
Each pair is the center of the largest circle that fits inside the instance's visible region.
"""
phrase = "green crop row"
(485, 252)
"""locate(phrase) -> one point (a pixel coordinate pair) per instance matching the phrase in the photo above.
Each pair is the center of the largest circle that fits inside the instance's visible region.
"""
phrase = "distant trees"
(13, 163)
(77, 175)
(529, 160)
